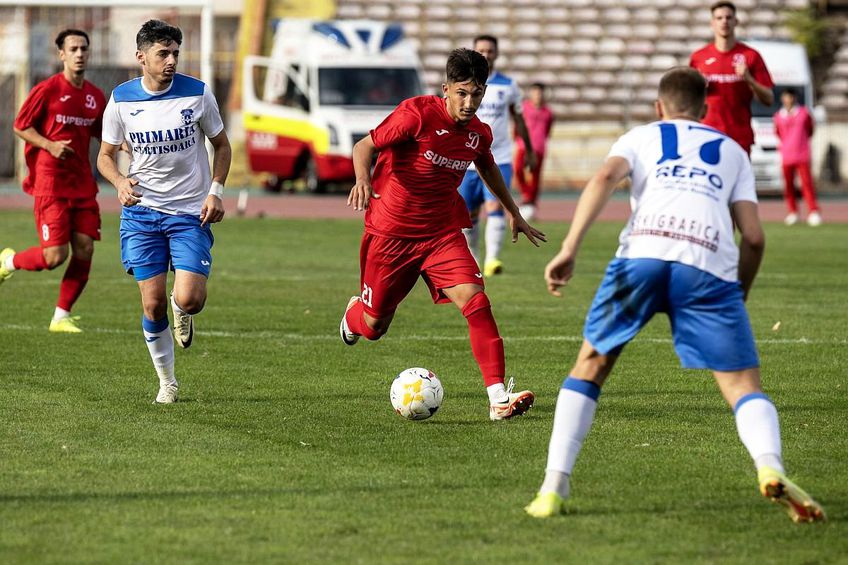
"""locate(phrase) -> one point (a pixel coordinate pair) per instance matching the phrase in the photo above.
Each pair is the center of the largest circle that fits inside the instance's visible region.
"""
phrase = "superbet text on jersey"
(423, 157)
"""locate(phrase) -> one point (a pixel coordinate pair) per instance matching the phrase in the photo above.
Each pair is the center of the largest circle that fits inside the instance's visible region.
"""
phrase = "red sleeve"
(485, 158)
(760, 72)
(401, 125)
(32, 112)
(808, 124)
(97, 126)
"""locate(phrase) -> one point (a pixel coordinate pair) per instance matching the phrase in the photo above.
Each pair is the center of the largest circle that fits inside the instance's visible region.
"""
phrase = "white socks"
(60, 313)
(575, 411)
(9, 263)
(472, 236)
(495, 230)
(160, 344)
(497, 393)
(759, 430)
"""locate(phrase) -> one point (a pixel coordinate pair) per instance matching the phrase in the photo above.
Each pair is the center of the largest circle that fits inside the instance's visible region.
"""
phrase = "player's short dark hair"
(60, 39)
(466, 64)
(790, 91)
(539, 85)
(723, 4)
(157, 31)
(486, 37)
(683, 89)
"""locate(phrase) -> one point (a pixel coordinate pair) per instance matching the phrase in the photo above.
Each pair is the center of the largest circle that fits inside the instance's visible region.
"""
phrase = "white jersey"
(165, 132)
(502, 93)
(684, 177)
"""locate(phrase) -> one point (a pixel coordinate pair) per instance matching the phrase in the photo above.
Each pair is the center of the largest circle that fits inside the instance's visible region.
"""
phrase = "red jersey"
(728, 95)
(423, 157)
(59, 111)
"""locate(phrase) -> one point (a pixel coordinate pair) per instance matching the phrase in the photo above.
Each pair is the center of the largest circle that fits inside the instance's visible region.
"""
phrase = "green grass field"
(285, 448)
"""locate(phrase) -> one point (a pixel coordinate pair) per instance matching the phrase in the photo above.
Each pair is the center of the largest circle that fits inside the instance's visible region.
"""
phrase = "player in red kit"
(415, 215)
(57, 122)
(735, 73)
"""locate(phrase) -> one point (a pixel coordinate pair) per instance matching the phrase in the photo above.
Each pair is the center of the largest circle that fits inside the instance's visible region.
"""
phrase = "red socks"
(486, 342)
(355, 318)
(30, 260)
(74, 281)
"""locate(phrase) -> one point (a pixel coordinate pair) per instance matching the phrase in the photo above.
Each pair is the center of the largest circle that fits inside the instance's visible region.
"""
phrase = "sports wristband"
(217, 189)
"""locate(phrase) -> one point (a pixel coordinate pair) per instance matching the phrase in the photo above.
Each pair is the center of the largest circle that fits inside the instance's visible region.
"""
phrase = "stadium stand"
(601, 59)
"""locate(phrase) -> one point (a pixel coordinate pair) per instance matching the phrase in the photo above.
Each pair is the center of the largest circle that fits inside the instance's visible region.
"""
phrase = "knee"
(191, 304)
(55, 256)
(84, 251)
(155, 309)
(594, 368)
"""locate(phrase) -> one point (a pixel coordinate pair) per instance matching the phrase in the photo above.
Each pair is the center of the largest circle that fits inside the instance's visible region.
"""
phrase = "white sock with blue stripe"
(495, 230)
(575, 412)
(160, 344)
(759, 429)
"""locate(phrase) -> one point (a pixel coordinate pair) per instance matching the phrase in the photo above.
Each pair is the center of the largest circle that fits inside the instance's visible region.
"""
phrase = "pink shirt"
(794, 129)
(539, 122)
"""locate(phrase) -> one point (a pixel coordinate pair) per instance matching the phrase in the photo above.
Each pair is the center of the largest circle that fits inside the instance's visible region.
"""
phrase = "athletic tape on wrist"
(217, 189)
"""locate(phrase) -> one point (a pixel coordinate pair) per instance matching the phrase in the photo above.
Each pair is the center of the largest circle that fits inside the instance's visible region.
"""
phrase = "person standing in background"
(794, 127)
(57, 121)
(539, 119)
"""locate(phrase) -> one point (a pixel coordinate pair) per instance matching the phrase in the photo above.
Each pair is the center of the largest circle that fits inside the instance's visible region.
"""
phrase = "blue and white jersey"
(165, 132)
(501, 93)
(684, 177)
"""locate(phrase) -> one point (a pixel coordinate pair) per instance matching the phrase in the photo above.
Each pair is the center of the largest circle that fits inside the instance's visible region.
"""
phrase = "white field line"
(333, 336)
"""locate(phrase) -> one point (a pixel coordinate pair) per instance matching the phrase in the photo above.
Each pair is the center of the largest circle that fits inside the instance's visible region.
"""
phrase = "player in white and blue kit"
(501, 103)
(169, 197)
(677, 255)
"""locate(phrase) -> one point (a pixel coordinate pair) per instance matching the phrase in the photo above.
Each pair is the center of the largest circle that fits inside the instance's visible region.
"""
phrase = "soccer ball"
(416, 394)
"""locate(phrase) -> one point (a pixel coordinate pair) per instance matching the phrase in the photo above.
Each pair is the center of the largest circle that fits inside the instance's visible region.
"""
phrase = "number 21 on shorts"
(367, 294)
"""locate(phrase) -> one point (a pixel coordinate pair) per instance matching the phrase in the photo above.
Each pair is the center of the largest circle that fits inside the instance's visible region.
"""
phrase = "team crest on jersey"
(501, 95)
(90, 102)
(473, 140)
(739, 59)
(188, 116)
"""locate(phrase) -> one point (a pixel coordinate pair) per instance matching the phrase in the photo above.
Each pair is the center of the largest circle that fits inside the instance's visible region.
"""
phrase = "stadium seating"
(584, 49)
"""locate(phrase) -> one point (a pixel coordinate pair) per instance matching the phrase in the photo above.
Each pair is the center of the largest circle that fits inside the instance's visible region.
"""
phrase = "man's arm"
(491, 175)
(362, 191)
(213, 208)
(762, 93)
(524, 134)
(753, 242)
(595, 196)
(108, 167)
(59, 149)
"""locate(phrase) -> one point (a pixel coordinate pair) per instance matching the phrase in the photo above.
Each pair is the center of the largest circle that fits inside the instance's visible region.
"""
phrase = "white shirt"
(165, 132)
(684, 177)
(501, 93)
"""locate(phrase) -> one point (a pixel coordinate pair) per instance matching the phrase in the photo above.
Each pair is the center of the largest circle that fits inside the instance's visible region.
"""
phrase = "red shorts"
(57, 218)
(390, 268)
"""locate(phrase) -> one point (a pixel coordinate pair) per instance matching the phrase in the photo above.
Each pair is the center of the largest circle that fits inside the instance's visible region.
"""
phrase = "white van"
(789, 66)
(324, 87)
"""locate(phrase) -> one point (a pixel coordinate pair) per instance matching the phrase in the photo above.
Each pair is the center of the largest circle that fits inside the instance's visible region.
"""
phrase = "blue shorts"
(151, 241)
(474, 192)
(709, 323)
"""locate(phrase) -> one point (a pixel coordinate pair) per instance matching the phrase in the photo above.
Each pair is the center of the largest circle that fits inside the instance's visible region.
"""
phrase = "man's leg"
(789, 195)
(187, 299)
(520, 178)
(471, 190)
(575, 412)
(74, 280)
(495, 226)
(157, 334)
(808, 191)
(759, 430)
(487, 347)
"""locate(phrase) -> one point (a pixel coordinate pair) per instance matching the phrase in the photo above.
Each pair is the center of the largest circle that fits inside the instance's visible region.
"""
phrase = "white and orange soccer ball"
(416, 394)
